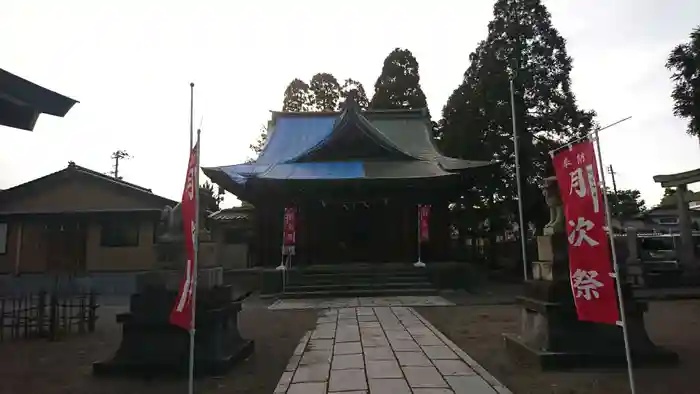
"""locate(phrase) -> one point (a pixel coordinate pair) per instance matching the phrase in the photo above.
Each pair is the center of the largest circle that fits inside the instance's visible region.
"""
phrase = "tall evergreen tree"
(398, 86)
(297, 97)
(361, 96)
(259, 144)
(325, 91)
(521, 44)
(684, 62)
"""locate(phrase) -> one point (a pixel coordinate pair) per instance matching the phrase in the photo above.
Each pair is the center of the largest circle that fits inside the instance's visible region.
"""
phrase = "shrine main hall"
(355, 179)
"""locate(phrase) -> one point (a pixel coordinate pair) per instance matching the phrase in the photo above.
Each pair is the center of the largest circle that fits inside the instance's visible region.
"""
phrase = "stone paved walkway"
(381, 350)
(325, 303)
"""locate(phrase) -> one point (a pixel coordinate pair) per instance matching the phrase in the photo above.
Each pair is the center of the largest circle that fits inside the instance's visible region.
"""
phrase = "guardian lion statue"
(557, 222)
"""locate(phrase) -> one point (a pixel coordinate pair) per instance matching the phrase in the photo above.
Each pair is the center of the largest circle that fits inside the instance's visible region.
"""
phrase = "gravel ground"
(65, 367)
(672, 324)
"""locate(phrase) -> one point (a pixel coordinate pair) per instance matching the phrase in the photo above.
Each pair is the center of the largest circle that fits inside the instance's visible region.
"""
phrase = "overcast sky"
(129, 63)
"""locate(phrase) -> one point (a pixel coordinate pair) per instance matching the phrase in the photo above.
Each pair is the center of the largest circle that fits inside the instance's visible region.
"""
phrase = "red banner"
(289, 232)
(424, 223)
(181, 315)
(590, 266)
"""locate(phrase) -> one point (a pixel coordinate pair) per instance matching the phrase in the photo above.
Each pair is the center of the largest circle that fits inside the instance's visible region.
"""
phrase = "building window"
(4, 237)
(120, 233)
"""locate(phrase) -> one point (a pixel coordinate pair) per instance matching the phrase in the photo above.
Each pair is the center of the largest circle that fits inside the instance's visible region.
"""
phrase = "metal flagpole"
(195, 264)
(608, 220)
(518, 181)
(418, 235)
(420, 262)
(191, 117)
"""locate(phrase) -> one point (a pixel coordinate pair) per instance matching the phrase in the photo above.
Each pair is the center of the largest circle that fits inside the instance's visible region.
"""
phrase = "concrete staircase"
(357, 280)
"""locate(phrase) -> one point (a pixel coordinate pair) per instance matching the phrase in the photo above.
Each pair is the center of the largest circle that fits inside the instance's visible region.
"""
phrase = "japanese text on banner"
(289, 233)
(424, 222)
(590, 265)
(181, 314)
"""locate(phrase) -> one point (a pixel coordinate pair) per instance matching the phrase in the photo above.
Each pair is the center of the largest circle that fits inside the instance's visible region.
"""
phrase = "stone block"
(413, 359)
(384, 369)
(388, 386)
(312, 373)
(544, 248)
(307, 388)
(469, 385)
(453, 368)
(348, 361)
(440, 352)
(424, 377)
(347, 348)
(152, 346)
(552, 248)
(542, 270)
(552, 336)
(347, 379)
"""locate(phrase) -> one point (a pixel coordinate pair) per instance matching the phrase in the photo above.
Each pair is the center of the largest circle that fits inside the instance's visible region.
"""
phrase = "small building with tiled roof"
(78, 222)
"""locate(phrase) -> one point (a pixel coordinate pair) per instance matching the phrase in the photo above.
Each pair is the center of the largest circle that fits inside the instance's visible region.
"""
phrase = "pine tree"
(398, 86)
(684, 62)
(361, 96)
(477, 123)
(297, 97)
(325, 91)
(259, 144)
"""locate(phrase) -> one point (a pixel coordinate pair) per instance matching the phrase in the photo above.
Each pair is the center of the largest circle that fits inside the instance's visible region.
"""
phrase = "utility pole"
(615, 200)
(612, 174)
(116, 156)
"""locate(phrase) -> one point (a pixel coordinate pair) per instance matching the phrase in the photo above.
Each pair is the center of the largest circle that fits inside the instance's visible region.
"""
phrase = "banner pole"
(518, 181)
(189, 149)
(611, 238)
(195, 268)
(420, 262)
(283, 264)
(418, 235)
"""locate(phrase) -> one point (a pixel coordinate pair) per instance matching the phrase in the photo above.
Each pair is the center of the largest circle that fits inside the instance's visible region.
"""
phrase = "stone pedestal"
(634, 270)
(551, 335)
(151, 346)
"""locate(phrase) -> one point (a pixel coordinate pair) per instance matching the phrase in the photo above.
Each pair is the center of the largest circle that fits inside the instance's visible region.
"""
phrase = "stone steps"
(358, 280)
(370, 292)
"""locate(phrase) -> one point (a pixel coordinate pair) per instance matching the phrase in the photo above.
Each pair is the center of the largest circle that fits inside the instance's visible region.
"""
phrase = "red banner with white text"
(590, 266)
(424, 223)
(181, 314)
(290, 221)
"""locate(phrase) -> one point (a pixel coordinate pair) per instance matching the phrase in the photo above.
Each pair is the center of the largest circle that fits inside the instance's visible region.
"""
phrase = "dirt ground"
(64, 367)
(672, 324)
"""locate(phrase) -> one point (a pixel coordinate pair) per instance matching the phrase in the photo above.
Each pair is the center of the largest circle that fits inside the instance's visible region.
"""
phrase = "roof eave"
(75, 169)
(27, 93)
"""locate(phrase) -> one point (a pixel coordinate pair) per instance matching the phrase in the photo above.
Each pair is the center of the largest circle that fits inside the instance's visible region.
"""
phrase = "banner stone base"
(151, 346)
(552, 337)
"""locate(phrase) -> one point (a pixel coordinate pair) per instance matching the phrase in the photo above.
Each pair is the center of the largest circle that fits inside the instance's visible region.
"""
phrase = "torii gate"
(680, 181)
